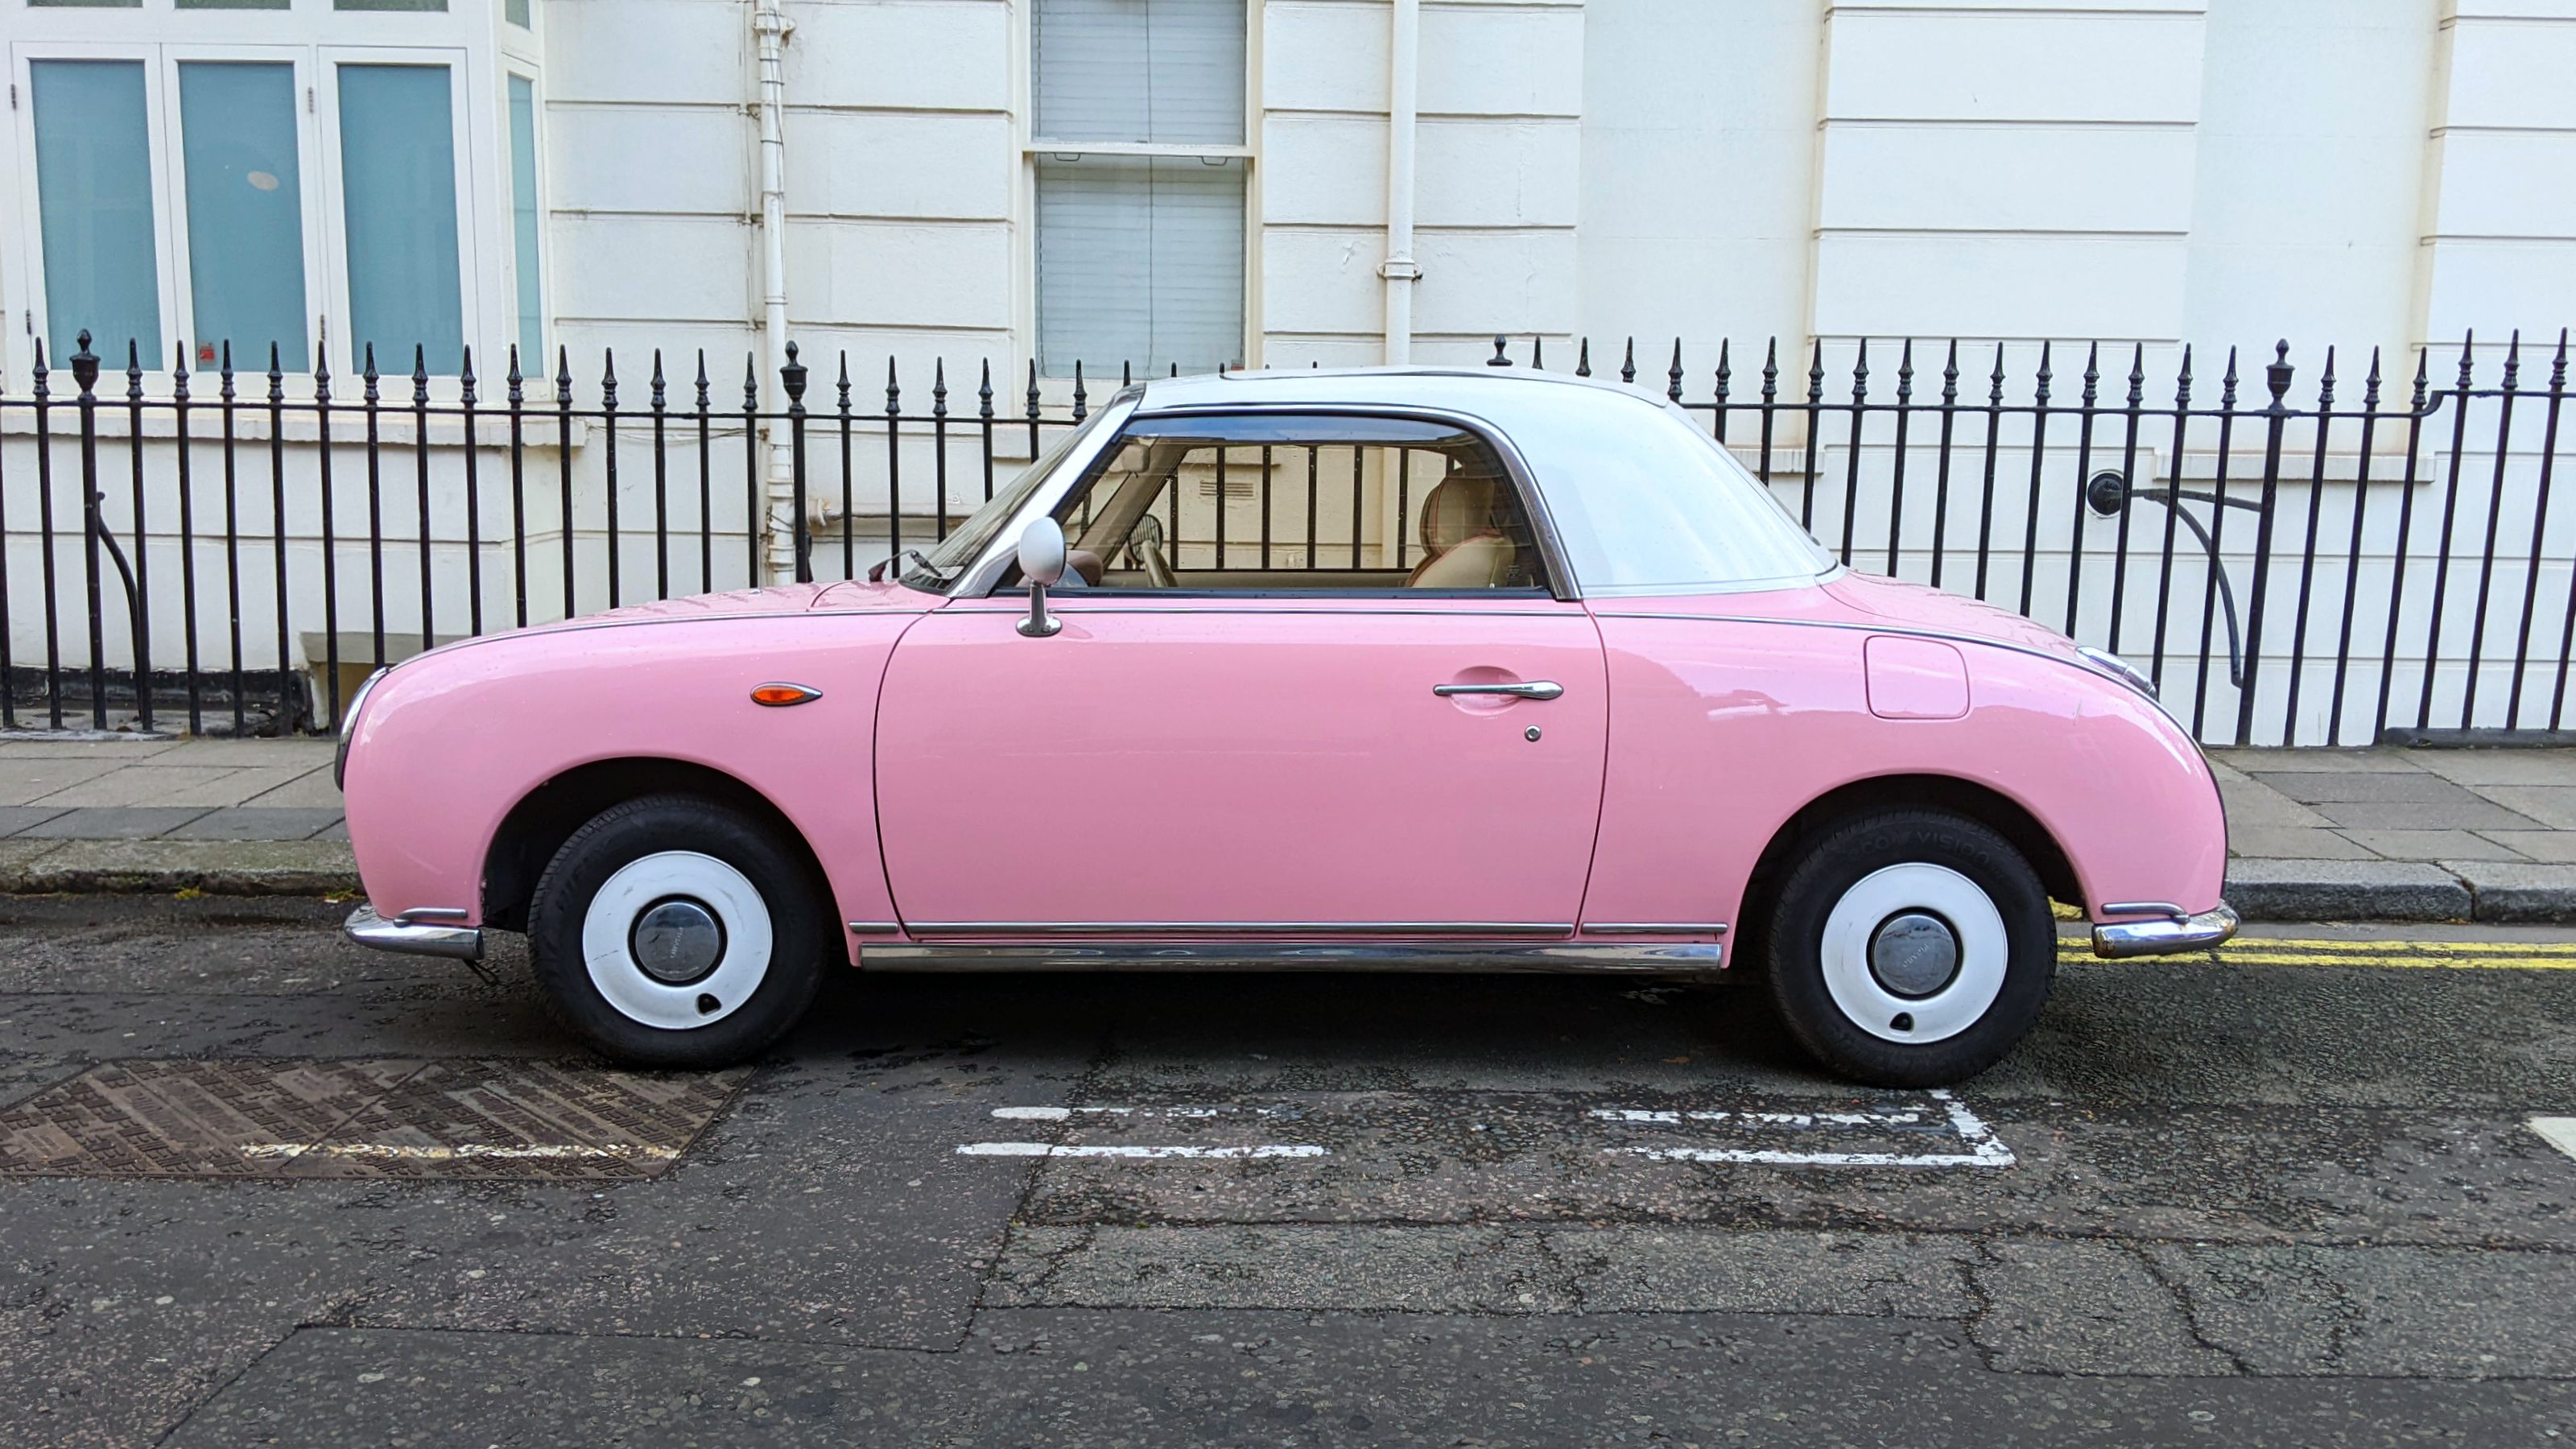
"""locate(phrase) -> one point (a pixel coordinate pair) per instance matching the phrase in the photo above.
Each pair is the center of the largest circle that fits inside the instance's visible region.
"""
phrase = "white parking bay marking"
(2558, 1132)
(1133, 1151)
(1976, 1142)
(1106, 1116)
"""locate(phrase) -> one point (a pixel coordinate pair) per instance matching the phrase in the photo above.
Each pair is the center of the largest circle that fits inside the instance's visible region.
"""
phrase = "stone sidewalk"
(2380, 834)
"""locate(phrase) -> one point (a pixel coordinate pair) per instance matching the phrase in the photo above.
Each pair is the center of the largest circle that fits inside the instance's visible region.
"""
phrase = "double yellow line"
(2416, 955)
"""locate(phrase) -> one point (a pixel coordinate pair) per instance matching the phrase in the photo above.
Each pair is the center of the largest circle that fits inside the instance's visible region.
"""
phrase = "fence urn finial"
(85, 364)
(1498, 359)
(2276, 375)
(792, 377)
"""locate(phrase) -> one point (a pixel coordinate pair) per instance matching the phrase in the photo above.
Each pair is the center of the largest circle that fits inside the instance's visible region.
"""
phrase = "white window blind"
(1140, 257)
(1136, 71)
(1140, 260)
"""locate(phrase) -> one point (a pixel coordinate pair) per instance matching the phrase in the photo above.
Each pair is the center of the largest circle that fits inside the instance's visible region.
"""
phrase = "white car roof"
(1498, 394)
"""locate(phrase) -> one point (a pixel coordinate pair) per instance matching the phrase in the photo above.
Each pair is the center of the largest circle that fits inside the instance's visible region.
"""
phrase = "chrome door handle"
(1535, 689)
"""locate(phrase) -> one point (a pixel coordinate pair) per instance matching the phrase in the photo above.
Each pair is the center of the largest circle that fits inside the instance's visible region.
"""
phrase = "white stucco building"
(974, 178)
(931, 188)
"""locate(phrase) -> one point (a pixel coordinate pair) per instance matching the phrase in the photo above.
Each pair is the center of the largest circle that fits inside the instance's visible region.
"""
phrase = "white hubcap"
(676, 940)
(1915, 953)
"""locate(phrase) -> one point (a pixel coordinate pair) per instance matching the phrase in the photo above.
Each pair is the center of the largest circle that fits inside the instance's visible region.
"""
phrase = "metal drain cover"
(377, 1118)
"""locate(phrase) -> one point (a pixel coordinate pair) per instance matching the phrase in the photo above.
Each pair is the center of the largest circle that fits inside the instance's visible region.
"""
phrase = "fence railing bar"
(2173, 521)
(2085, 415)
(2308, 548)
(232, 545)
(2450, 521)
(187, 536)
(277, 523)
(608, 468)
(2352, 551)
(2416, 416)
(2495, 523)
(2038, 465)
(519, 483)
(1896, 482)
(420, 458)
(659, 401)
(2216, 538)
(563, 476)
(1941, 477)
(2539, 531)
(474, 499)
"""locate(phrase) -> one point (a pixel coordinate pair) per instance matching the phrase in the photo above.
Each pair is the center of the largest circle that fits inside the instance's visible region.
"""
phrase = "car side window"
(1299, 503)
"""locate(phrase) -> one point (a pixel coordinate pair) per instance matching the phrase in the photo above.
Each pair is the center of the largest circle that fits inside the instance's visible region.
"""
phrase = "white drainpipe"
(770, 27)
(1399, 270)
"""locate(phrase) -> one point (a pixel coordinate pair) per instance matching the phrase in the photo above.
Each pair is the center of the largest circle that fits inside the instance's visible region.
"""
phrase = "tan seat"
(1463, 541)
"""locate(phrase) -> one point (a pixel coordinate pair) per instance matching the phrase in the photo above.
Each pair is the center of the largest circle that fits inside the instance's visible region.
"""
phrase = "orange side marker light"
(778, 694)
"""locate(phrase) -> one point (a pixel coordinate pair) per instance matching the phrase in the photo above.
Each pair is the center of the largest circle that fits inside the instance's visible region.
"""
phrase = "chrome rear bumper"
(414, 938)
(2165, 935)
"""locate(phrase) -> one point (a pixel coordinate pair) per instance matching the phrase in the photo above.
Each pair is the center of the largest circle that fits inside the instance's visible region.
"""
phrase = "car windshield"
(934, 571)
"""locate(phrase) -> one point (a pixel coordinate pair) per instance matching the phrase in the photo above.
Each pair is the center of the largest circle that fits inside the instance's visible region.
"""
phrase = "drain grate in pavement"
(344, 1119)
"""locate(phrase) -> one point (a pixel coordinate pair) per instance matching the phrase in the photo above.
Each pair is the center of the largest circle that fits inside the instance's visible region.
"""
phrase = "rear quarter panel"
(1723, 729)
(449, 742)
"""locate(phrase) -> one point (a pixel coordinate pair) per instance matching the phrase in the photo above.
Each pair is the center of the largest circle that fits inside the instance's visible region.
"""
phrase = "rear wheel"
(673, 932)
(1911, 948)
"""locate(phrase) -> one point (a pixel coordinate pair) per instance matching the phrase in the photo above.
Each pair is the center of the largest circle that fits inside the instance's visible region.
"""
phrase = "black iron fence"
(2328, 571)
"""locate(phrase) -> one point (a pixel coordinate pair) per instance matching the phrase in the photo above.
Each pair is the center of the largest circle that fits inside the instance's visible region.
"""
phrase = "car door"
(1366, 754)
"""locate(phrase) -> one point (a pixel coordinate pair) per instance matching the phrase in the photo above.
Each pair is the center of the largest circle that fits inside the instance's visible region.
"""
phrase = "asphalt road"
(259, 1187)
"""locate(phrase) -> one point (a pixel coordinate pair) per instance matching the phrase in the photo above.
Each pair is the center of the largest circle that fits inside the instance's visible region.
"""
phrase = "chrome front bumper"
(2165, 935)
(414, 938)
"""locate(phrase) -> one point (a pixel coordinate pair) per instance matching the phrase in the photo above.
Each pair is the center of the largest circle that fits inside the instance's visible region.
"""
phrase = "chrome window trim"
(1562, 585)
(977, 579)
(1653, 928)
(1250, 955)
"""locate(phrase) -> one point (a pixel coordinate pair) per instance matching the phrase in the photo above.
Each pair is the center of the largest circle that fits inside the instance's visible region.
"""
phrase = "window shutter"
(1167, 72)
(1140, 260)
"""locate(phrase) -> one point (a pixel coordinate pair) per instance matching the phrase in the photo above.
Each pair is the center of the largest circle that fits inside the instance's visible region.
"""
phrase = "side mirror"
(1041, 564)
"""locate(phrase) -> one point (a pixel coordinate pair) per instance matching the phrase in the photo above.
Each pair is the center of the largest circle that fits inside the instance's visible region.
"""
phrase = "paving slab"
(242, 752)
(2550, 805)
(2343, 890)
(14, 818)
(2341, 762)
(2310, 787)
(2442, 845)
(2506, 891)
(2475, 814)
(251, 822)
(310, 790)
(207, 786)
(112, 822)
(27, 779)
(2251, 802)
(2557, 847)
(2292, 842)
(2500, 767)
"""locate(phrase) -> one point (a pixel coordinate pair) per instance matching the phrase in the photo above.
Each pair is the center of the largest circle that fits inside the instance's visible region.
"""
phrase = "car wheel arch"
(2007, 817)
(537, 826)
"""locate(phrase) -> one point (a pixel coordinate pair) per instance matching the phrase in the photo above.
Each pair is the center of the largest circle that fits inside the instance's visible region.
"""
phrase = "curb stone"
(217, 867)
(2346, 890)
(2512, 891)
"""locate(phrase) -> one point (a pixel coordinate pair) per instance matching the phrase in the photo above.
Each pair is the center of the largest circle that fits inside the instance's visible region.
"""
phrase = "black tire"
(1860, 849)
(783, 884)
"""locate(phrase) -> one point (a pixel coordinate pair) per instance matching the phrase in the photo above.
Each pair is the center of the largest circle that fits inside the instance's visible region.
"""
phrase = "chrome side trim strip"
(1640, 959)
(2144, 908)
(2122, 939)
(364, 926)
(1142, 930)
(876, 928)
(1654, 928)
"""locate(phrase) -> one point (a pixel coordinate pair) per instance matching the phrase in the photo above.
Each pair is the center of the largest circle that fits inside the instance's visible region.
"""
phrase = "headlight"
(349, 729)
(2102, 659)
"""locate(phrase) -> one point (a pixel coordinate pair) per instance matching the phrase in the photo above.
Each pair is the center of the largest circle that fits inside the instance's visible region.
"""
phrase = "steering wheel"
(1145, 546)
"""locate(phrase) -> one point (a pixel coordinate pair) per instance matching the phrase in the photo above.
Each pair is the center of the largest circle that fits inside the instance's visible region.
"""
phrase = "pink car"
(1388, 669)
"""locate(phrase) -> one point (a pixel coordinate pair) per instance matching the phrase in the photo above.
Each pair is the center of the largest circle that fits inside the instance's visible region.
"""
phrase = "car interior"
(1300, 505)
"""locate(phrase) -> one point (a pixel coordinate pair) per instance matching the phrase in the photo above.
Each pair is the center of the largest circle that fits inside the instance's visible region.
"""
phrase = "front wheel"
(673, 932)
(1911, 948)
